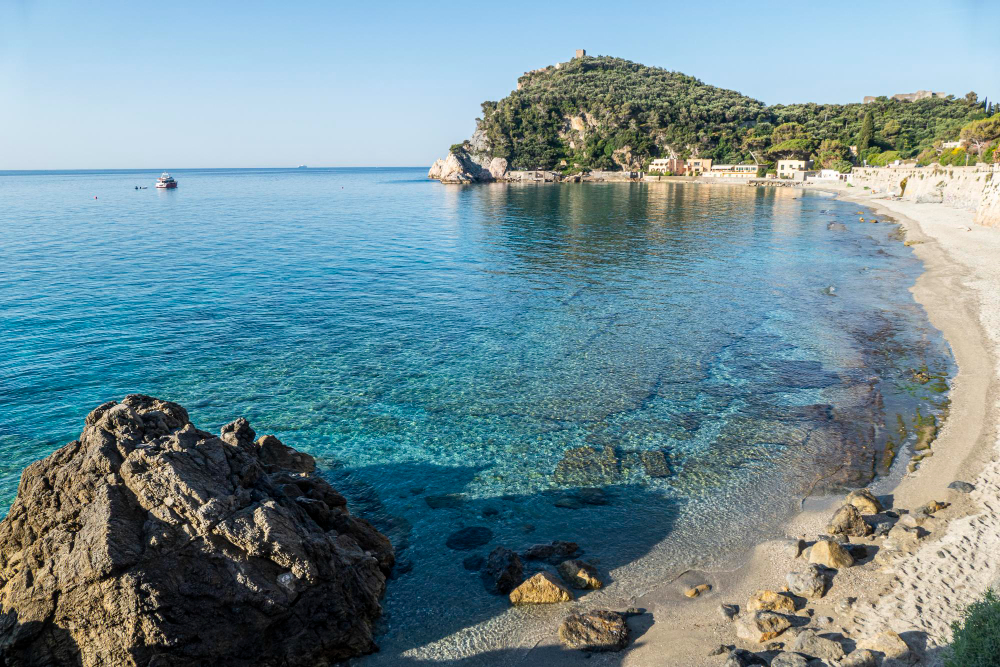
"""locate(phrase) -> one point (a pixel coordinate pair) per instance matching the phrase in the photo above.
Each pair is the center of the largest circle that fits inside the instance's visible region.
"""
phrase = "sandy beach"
(918, 589)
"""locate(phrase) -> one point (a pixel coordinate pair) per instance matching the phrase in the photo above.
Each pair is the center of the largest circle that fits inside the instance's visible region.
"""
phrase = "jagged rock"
(788, 659)
(543, 588)
(556, 552)
(813, 645)
(830, 554)
(460, 167)
(847, 521)
(962, 487)
(889, 644)
(859, 658)
(579, 574)
(882, 528)
(148, 541)
(472, 537)
(594, 631)
(760, 626)
(504, 570)
(771, 601)
(809, 584)
(865, 501)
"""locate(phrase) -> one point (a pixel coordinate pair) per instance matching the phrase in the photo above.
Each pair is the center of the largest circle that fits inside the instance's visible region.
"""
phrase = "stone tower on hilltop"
(580, 53)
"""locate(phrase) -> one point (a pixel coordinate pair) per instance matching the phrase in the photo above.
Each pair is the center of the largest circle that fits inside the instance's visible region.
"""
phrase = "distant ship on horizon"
(302, 166)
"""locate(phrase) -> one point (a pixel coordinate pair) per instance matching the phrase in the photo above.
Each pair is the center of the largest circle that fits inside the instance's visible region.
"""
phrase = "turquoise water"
(702, 355)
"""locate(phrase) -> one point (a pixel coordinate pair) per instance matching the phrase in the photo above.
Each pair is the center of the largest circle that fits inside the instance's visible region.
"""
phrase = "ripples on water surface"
(676, 346)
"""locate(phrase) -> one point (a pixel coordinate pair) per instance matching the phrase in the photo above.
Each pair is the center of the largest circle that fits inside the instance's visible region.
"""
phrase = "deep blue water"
(717, 349)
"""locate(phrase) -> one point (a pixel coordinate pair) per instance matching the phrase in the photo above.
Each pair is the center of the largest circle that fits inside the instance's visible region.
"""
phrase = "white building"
(731, 171)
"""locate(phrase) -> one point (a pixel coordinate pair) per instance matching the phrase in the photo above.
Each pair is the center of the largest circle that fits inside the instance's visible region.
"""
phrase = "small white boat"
(166, 181)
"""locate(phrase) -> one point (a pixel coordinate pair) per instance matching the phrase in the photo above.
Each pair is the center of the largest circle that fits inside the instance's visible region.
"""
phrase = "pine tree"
(867, 132)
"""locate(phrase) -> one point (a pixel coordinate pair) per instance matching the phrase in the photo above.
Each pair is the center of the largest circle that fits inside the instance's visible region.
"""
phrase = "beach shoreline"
(919, 593)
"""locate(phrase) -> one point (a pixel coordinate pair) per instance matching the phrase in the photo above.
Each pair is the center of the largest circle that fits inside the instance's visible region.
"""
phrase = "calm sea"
(657, 372)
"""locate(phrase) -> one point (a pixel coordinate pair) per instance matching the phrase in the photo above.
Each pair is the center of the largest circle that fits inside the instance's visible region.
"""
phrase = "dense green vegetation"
(630, 114)
(976, 639)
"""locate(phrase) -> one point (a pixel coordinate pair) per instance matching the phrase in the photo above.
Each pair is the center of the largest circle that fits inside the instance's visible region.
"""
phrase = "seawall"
(974, 188)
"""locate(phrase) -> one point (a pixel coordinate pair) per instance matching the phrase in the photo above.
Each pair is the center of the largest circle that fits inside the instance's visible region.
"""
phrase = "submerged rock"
(580, 574)
(556, 552)
(472, 537)
(543, 588)
(504, 570)
(597, 630)
(587, 466)
(148, 541)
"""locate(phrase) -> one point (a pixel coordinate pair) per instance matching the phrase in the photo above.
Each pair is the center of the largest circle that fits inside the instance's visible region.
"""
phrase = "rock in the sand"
(148, 541)
(761, 626)
(889, 644)
(865, 501)
(771, 601)
(859, 658)
(847, 521)
(595, 631)
(796, 547)
(933, 506)
(504, 570)
(882, 528)
(695, 591)
(555, 553)
(813, 645)
(580, 574)
(740, 657)
(830, 554)
(962, 487)
(543, 588)
(472, 537)
(809, 584)
(729, 611)
(789, 659)
(905, 537)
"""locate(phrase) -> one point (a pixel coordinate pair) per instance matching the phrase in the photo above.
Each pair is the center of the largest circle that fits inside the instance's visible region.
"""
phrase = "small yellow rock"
(697, 590)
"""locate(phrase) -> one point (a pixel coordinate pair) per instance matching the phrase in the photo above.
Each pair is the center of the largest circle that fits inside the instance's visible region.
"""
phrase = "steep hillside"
(609, 113)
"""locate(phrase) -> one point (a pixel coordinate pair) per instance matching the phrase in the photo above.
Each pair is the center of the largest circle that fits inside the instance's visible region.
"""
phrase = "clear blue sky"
(214, 83)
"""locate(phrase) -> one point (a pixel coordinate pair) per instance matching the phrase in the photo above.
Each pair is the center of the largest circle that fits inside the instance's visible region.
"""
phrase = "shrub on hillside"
(976, 638)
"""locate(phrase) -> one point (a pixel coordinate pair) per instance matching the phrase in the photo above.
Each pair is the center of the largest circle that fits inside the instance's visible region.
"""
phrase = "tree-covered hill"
(609, 113)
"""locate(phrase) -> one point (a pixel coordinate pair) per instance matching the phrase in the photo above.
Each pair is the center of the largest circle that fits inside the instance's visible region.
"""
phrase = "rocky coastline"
(151, 542)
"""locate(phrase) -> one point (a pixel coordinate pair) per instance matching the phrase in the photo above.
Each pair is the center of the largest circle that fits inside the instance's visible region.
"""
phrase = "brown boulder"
(148, 541)
(594, 631)
(830, 554)
(771, 601)
(848, 521)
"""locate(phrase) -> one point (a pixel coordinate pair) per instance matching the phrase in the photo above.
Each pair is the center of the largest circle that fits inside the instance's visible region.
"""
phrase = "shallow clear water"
(677, 346)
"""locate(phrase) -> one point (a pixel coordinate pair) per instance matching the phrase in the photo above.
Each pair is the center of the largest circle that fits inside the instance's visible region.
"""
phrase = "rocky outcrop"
(151, 542)
(461, 168)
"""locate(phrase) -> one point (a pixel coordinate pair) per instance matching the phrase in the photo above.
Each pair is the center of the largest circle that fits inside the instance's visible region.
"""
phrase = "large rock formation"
(470, 163)
(149, 542)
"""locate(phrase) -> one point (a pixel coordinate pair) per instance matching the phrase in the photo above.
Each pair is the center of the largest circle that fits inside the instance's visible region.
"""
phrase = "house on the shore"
(731, 171)
(672, 165)
(697, 166)
(796, 170)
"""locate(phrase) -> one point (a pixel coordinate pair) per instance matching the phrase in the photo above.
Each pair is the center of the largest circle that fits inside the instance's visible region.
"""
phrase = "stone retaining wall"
(972, 188)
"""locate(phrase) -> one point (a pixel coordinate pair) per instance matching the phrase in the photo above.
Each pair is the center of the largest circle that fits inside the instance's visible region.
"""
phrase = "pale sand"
(920, 594)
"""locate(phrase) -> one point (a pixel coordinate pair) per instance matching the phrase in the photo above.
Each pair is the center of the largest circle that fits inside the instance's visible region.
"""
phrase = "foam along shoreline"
(919, 590)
